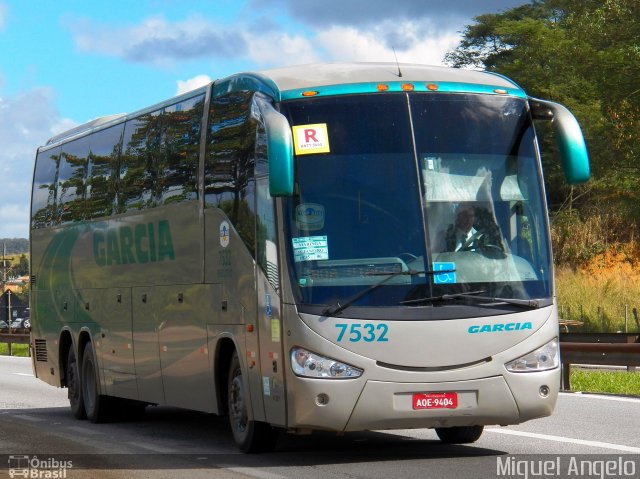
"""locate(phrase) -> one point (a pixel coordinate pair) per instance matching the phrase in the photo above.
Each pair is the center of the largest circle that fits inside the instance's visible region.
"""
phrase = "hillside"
(14, 245)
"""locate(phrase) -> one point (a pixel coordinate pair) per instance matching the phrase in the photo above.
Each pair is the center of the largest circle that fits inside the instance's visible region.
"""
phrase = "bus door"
(269, 306)
(271, 352)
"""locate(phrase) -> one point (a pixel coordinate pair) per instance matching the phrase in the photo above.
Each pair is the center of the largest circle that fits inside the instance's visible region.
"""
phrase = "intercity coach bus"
(338, 246)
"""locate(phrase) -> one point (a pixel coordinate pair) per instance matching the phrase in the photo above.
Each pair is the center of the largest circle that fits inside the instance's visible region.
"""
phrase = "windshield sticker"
(448, 275)
(310, 216)
(310, 139)
(310, 248)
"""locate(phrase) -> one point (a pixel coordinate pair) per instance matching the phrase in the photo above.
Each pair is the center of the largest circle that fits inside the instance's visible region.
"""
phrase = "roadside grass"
(17, 349)
(612, 382)
(600, 295)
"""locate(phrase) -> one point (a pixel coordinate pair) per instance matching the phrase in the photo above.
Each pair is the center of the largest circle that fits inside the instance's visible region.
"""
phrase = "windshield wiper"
(339, 307)
(472, 295)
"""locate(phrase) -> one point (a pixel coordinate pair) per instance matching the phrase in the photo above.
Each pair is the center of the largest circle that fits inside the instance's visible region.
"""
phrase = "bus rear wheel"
(459, 434)
(97, 407)
(249, 436)
(73, 385)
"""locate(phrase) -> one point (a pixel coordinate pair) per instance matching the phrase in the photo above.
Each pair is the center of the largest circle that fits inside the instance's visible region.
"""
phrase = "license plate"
(435, 401)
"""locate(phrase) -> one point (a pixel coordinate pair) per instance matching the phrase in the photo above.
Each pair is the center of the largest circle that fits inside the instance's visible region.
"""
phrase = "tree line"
(584, 54)
(14, 245)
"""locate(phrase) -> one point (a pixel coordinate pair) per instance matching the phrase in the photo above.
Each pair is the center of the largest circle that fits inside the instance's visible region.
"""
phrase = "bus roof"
(334, 78)
(328, 74)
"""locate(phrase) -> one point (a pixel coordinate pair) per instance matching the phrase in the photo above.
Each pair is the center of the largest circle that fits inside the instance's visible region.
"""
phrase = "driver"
(462, 235)
(473, 230)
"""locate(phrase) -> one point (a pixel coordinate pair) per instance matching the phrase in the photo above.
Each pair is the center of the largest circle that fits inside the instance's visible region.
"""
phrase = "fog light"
(544, 391)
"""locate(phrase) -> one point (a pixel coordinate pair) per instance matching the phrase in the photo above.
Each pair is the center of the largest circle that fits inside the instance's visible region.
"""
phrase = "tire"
(97, 407)
(250, 436)
(460, 434)
(26, 323)
(74, 386)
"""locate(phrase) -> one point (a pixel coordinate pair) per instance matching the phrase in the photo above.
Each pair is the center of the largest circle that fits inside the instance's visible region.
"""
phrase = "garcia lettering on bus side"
(499, 327)
(142, 243)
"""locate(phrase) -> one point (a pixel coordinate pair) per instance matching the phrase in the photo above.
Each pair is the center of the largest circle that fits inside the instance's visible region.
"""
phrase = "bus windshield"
(405, 199)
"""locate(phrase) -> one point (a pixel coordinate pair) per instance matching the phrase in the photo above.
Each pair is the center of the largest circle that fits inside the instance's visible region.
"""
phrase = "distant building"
(19, 309)
(16, 285)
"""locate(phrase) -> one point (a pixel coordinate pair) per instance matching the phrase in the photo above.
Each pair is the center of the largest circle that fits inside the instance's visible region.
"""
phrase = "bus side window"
(138, 174)
(103, 161)
(230, 162)
(72, 172)
(43, 201)
(178, 162)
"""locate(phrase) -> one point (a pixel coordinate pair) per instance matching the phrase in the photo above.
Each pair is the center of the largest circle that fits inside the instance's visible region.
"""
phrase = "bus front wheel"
(459, 434)
(249, 435)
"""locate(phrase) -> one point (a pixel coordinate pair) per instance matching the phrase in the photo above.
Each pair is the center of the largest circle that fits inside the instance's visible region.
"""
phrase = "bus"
(338, 247)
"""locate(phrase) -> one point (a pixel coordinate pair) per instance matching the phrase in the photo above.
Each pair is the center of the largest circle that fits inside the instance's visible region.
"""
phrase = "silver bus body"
(167, 277)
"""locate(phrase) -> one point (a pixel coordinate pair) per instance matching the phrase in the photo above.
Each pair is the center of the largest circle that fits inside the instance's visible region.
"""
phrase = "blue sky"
(68, 61)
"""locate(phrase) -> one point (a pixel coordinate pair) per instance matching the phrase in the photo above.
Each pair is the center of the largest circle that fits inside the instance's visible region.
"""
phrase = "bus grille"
(41, 350)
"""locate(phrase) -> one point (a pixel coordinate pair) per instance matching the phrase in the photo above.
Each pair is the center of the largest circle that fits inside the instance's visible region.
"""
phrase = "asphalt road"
(35, 422)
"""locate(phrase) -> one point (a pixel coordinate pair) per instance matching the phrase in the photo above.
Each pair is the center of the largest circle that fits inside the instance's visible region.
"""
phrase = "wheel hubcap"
(237, 409)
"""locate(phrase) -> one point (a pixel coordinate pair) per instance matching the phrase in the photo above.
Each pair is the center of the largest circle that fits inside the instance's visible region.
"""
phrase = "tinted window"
(71, 180)
(44, 188)
(138, 173)
(177, 171)
(267, 254)
(105, 147)
(230, 162)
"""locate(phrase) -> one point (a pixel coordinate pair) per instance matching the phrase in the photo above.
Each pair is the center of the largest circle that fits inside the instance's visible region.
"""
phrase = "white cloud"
(280, 49)
(350, 44)
(155, 40)
(27, 121)
(192, 83)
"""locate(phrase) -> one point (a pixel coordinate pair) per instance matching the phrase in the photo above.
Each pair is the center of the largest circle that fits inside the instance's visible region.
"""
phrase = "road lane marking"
(257, 473)
(84, 430)
(28, 418)
(569, 440)
(600, 396)
(154, 448)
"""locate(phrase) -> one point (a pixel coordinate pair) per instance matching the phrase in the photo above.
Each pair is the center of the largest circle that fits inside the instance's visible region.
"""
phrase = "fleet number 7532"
(367, 332)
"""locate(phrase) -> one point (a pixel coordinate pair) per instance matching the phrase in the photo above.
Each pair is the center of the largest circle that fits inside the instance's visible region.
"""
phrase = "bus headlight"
(312, 365)
(542, 359)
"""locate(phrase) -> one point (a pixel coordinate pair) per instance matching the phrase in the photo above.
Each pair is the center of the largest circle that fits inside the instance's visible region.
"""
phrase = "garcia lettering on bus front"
(499, 327)
(142, 243)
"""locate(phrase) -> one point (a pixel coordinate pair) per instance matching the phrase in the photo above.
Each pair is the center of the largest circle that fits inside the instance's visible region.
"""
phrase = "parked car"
(16, 323)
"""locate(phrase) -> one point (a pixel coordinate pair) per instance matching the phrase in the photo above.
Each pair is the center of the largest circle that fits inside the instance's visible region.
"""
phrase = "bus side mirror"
(573, 150)
(279, 151)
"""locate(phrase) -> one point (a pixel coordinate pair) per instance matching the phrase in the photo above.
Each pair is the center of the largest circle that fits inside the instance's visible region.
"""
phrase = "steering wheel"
(490, 250)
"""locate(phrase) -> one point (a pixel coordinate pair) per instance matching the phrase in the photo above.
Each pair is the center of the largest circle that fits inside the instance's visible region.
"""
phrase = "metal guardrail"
(16, 336)
(601, 349)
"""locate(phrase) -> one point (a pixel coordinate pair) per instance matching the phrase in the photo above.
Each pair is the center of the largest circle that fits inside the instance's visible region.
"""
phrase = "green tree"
(23, 266)
(584, 54)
